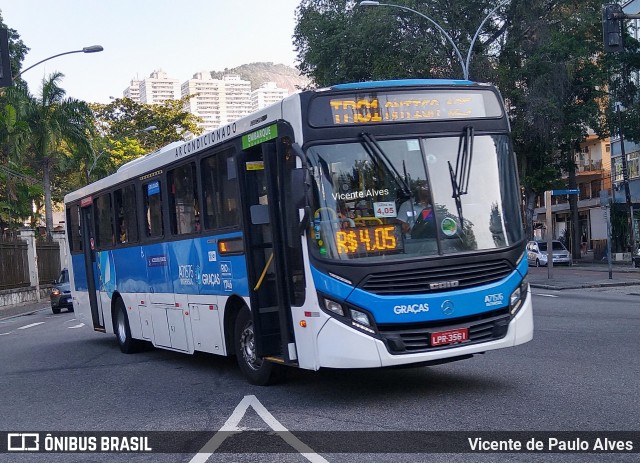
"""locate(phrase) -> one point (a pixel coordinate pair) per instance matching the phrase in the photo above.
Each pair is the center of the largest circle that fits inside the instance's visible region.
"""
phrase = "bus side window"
(153, 209)
(220, 185)
(73, 229)
(183, 207)
(104, 221)
(126, 214)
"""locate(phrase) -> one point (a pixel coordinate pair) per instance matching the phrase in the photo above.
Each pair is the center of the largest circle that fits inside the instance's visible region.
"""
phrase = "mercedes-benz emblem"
(447, 307)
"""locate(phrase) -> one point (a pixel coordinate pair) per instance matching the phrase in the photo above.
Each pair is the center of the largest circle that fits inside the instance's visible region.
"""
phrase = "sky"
(181, 37)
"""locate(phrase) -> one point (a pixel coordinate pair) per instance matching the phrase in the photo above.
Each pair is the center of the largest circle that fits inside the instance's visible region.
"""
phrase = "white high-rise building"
(217, 101)
(205, 101)
(236, 98)
(268, 94)
(158, 88)
(133, 91)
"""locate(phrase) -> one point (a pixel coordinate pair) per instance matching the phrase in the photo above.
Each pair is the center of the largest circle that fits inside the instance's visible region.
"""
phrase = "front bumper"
(340, 346)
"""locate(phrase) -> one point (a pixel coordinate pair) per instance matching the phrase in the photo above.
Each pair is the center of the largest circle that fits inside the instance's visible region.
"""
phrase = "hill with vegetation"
(258, 73)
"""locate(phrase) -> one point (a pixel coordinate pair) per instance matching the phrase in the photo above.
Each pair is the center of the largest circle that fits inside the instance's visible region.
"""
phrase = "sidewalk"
(23, 309)
(584, 274)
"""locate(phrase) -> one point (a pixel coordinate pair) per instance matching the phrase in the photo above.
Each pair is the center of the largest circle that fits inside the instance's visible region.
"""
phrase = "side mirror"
(298, 187)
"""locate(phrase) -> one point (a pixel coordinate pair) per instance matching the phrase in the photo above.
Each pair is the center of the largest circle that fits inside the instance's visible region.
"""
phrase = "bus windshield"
(392, 199)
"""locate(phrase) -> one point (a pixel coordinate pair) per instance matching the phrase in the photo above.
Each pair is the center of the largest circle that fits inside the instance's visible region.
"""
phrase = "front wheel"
(127, 344)
(257, 370)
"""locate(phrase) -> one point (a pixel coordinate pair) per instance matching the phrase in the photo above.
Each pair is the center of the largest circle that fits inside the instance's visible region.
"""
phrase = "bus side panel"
(78, 275)
(131, 283)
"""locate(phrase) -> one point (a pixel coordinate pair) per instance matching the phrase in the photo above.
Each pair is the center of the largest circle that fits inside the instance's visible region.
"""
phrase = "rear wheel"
(127, 344)
(55, 310)
(257, 370)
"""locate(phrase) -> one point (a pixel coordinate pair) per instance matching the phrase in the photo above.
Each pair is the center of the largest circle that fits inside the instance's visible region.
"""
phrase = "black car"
(61, 293)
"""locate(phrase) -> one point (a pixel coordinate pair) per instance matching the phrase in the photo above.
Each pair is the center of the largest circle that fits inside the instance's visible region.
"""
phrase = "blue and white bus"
(364, 225)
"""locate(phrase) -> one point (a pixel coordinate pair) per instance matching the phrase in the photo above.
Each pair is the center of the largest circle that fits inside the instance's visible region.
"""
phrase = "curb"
(562, 286)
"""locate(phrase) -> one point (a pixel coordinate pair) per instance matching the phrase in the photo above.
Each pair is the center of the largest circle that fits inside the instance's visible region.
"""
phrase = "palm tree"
(15, 182)
(56, 121)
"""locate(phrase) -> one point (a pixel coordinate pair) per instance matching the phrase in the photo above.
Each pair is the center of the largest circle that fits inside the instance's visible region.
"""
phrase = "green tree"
(554, 76)
(58, 124)
(340, 42)
(128, 130)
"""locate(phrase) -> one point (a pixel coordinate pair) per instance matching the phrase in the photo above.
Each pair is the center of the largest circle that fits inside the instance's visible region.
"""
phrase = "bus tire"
(127, 344)
(258, 371)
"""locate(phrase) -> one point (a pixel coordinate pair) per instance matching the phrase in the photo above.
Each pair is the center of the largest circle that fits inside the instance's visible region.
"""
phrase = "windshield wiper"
(380, 157)
(460, 176)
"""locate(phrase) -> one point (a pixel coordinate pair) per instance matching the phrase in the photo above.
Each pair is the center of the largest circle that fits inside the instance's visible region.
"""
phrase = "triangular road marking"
(231, 426)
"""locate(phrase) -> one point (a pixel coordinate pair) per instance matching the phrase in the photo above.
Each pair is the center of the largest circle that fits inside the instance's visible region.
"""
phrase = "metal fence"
(48, 261)
(14, 264)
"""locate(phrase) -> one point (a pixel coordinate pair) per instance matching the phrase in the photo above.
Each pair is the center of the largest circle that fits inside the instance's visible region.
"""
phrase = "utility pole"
(613, 34)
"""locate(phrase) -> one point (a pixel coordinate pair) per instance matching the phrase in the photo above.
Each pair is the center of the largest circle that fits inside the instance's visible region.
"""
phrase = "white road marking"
(4, 334)
(231, 426)
(76, 326)
(547, 295)
(30, 326)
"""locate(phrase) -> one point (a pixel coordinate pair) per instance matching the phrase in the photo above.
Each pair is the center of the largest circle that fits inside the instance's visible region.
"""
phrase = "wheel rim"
(248, 347)
(122, 329)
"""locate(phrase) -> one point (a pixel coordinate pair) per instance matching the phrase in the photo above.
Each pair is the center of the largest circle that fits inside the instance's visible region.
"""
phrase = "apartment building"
(159, 87)
(268, 94)
(132, 91)
(593, 175)
(217, 101)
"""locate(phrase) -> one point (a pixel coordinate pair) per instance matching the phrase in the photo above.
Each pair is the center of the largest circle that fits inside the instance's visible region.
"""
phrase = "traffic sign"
(564, 192)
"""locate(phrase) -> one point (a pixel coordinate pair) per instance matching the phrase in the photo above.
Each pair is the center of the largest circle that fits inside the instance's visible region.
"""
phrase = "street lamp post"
(91, 49)
(464, 64)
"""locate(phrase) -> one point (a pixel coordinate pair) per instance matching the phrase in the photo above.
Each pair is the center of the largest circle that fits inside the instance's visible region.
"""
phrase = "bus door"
(268, 272)
(88, 246)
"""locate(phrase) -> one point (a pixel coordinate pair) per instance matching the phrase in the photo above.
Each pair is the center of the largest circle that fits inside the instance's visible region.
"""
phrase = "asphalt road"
(580, 373)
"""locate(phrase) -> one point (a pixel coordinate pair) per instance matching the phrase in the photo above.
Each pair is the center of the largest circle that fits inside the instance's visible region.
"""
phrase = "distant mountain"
(259, 73)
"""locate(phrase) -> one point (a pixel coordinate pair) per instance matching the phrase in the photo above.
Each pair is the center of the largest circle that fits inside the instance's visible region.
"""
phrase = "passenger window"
(220, 188)
(104, 221)
(183, 200)
(126, 215)
(73, 228)
(153, 209)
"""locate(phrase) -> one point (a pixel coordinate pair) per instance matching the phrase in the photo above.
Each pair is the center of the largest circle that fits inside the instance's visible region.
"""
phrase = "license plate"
(450, 336)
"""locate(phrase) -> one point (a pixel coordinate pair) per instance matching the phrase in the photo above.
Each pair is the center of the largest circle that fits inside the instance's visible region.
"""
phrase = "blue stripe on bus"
(191, 266)
(400, 83)
(426, 307)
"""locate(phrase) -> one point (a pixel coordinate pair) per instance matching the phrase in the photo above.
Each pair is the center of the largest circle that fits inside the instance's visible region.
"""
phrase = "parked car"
(537, 253)
(61, 293)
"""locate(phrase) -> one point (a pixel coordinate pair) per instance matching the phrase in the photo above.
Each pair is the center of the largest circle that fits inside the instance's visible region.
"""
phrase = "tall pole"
(625, 180)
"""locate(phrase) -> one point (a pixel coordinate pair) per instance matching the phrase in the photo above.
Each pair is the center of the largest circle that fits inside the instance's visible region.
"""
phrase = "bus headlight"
(360, 317)
(333, 306)
(518, 296)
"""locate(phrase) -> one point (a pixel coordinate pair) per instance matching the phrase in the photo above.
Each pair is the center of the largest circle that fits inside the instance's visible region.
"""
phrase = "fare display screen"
(368, 240)
(402, 106)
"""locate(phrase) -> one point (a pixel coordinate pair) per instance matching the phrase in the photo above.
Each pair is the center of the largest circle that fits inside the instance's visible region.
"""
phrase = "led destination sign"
(415, 106)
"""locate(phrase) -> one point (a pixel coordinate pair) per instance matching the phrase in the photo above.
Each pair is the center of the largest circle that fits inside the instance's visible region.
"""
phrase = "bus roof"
(402, 83)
